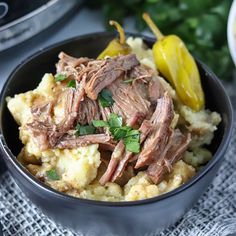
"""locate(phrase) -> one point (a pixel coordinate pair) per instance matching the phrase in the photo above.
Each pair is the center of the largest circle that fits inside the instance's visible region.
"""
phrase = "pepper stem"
(119, 29)
(152, 26)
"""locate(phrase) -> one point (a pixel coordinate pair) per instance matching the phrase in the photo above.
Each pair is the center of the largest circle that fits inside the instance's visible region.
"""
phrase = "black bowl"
(96, 217)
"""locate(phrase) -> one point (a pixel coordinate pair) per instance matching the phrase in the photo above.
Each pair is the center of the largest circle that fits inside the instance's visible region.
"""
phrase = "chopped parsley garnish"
(84, 129)
(105, 98)
(71, 84)
(130, 136)
(132, 141)
(100, 123)
(119, 132)
(52, 174)
(60, 77)
(115, 120)
(133, 147)
(128, 81)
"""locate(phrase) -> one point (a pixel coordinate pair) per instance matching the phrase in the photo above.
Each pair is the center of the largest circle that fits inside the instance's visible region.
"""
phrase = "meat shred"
(142, 102)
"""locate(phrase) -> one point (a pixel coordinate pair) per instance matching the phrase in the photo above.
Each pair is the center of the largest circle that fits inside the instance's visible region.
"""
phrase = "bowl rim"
(9, 156)
(231, 35)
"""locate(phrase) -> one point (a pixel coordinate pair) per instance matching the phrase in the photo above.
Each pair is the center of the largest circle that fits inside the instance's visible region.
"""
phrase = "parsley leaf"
(133, 147)
(130, 136)
(60, 77)
(71, 84)
(119, 132)
(52, 174)
(105, 98)
(100, 123)
(132, 141)
(84, 130)
(115, 120)
(133, 133)
(128, 81)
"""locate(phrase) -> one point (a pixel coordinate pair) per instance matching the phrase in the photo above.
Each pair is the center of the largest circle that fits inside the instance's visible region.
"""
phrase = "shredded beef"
(143, 104)
(140, 72)
(105, 112)
(116, 155)
(128, 100)
(70, 66)
(72, 61)
(42, 109)
(72, 141)
(113, 69)
(118, 151)
(73, 101)
(173, 152)
(45, 132)
(88, 111)
(156, 140)
(109, 146)
(144, 129)
(41, 131)
(155, 89)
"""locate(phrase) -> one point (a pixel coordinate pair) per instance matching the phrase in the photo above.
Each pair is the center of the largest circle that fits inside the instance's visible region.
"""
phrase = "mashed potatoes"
(143, 53)
(141, 187)
(201, 124)
(78, 169)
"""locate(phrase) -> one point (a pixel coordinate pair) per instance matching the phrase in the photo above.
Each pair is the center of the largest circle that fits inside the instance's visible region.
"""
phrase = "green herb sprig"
(84, 129)
(52, 175)
(128, 81)
(105, 98)
(60, 77)
(130, 136)
(71, 84)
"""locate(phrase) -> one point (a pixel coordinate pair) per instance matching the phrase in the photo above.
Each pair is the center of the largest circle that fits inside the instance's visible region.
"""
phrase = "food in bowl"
(113, 128)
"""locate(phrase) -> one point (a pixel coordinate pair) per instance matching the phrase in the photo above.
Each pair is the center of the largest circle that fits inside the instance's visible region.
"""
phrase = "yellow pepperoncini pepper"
(116, 46)
(174, 61)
